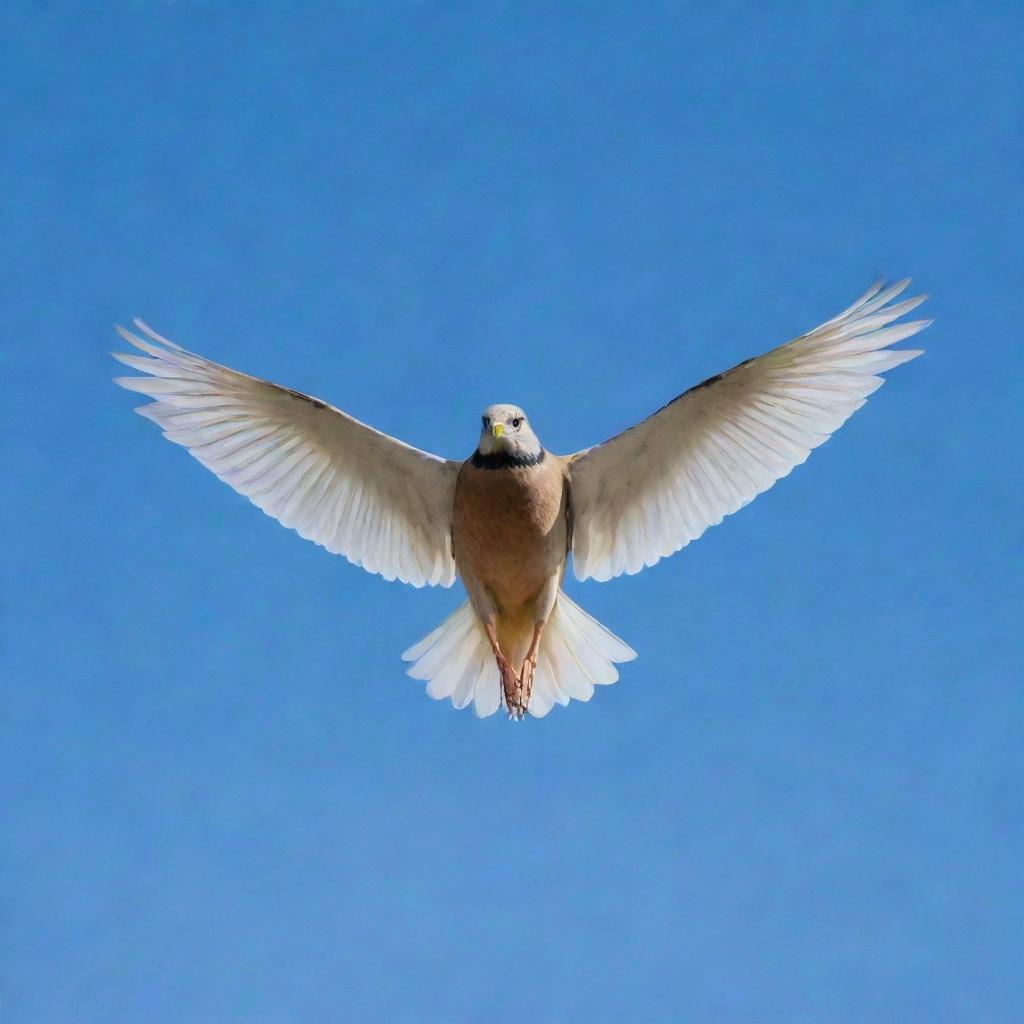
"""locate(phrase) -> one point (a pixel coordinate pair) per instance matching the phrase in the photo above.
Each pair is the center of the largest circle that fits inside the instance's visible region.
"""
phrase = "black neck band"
(506, 460)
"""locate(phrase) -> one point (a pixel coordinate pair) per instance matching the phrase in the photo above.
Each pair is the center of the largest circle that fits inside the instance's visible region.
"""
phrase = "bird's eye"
(486, 422)
(517, 423)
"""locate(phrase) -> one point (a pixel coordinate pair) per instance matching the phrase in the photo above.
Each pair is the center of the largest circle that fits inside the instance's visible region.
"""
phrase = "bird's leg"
(509, 680)
(530, 665)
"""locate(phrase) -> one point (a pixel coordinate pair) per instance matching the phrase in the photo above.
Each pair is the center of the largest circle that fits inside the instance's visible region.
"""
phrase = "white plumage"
(351, 489)
(512, 513)
(577, 654)
(659, 485)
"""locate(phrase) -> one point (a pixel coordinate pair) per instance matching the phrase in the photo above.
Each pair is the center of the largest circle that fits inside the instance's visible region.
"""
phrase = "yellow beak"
(498, 429)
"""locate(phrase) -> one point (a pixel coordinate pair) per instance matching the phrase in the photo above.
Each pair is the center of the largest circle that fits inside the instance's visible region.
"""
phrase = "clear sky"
(223, 800)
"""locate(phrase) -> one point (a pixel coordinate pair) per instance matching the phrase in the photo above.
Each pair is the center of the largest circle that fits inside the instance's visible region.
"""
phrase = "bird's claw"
(512, 689)
(526, 682)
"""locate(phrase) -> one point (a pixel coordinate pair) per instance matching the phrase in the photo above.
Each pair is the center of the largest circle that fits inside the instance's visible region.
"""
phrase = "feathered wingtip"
(163, 360)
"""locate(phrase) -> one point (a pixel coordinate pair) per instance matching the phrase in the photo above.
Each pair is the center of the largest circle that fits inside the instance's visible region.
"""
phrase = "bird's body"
(509, 530)
(507, 519)
(510, 526)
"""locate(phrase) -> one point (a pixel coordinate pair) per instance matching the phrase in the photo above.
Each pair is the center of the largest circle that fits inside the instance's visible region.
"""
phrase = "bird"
(508, 519)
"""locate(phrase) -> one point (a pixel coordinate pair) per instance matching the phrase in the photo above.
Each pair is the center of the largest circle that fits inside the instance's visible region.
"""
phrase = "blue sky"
(224, 802)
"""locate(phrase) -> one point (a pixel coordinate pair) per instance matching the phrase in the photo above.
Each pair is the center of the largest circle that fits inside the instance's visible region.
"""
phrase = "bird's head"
(506, 433)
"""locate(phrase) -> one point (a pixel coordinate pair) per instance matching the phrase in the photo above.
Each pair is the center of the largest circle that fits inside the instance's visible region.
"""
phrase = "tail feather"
(487, 697)
(602, 639)
(576, 654)
(456, 661)
(418, 649)
(572, 682)
(451, 647)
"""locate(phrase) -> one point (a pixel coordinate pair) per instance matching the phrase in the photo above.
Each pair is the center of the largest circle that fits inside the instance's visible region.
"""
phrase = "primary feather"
(659, 485)
(357, 492)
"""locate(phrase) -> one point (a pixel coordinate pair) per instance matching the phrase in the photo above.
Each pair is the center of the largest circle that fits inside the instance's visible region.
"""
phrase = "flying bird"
(506, 519)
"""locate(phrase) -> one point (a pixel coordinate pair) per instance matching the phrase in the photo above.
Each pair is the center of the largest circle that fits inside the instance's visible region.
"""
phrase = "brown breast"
(509, 527)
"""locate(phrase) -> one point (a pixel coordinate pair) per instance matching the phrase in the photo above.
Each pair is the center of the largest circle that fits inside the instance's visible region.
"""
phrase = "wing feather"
(353, 490)
(659, 485)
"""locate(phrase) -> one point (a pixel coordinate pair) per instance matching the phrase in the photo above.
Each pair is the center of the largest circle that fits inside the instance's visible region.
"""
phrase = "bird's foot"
(512, 688)
(526, 681)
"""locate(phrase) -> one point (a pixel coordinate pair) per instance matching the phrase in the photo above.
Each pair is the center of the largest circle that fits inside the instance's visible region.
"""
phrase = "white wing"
(353, 490)
(655, 487)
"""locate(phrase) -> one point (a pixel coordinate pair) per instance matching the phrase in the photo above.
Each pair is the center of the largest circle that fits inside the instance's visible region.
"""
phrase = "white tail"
(576, 653)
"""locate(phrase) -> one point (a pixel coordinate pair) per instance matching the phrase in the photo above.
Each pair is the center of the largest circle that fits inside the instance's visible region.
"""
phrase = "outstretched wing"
(353, 490)
(653, 488)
